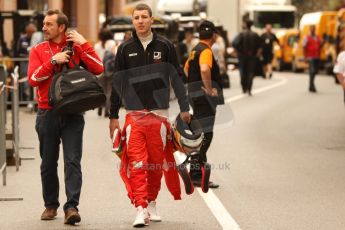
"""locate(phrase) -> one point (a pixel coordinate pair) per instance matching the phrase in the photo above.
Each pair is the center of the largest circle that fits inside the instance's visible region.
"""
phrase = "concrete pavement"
(104, 203)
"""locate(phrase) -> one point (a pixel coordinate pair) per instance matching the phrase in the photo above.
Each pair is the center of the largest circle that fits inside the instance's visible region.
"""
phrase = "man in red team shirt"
(45, 59)
(311, 49)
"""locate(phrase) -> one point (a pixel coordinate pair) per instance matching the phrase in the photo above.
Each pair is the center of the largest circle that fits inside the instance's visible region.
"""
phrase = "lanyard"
(50, 49)
(52, 53)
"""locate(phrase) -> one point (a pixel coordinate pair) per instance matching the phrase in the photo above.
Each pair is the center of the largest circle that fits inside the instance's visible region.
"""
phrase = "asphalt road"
(278, 156)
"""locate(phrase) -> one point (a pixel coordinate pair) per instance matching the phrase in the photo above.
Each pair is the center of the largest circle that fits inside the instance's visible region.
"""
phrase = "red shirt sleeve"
(88, 55)
(39, 70)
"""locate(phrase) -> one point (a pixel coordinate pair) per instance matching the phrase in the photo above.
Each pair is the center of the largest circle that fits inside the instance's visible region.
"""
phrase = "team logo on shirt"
(157, 56)
(191, 55)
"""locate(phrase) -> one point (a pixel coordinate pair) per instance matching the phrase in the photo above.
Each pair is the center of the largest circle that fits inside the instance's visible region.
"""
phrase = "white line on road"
(219, 211)
(214, 204)
(259, 90)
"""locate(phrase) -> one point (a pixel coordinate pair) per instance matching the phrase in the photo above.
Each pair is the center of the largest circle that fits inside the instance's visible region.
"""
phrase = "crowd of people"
(255, 51)
(147, 129)
(128, 72)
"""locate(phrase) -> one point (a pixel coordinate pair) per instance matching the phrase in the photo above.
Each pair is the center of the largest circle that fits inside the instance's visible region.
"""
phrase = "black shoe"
(270, 76)
(312, 90)
(211, 184)
(99, 112)
(249, 93)
(197, 183)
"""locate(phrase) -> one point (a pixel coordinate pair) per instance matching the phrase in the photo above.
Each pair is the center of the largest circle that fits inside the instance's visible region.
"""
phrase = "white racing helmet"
(187, 137)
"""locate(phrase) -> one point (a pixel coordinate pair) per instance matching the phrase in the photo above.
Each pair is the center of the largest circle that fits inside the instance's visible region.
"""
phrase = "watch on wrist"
(53, 61)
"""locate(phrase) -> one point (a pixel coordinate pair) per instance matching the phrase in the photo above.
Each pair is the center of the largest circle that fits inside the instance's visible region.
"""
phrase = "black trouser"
(205, 113)
(313, 69)
(52, 129)
(247, 71)
(106, 82)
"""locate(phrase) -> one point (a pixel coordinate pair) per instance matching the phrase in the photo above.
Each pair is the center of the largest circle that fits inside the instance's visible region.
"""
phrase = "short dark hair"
(206, 29)
(143, 6)
(249, 24)
(62, 19)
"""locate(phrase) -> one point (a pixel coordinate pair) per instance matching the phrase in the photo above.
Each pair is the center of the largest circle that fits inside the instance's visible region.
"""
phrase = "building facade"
(85, 16)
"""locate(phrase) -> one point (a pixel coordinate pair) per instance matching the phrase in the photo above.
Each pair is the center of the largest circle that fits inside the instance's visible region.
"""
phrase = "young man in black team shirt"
(146, 120)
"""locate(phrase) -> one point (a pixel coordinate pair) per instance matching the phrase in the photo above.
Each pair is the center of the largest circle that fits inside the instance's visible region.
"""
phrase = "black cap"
(207, 26)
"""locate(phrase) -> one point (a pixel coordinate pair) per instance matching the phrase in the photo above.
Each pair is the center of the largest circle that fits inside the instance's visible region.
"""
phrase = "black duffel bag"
(75, 91)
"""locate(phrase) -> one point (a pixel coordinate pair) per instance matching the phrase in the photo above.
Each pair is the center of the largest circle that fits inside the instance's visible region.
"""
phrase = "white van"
(183, 7)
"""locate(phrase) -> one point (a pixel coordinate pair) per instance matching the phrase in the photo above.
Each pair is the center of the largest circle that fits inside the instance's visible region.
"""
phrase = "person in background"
(146, 125)
(52, 128)
(36, 38)
(187, 42)
(190, 42)
(311, 50)
(268, 38)
(202, 73)
(218, 50)
(23, 48)
(104, 47)
(339, 70)
(127, 35)
(248, 48)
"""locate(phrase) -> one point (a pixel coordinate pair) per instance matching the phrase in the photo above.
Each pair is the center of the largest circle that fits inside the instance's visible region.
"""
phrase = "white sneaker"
(142, 217)
(153, 214)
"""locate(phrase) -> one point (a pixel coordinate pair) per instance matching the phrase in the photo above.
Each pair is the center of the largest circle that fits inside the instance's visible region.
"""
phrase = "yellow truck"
(282, 58)
(341, 31)
(326, 28)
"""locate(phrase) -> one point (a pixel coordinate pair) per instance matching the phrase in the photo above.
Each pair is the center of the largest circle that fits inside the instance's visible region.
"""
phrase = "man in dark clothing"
(268, 38)
(203, 76)
(146, 101)
(247, 45)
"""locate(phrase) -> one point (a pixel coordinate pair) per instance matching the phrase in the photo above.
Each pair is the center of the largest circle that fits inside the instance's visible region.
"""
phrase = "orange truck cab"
(283, 54)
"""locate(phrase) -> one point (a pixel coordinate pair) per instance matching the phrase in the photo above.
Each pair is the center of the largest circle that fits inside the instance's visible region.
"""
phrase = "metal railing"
(23, 86)
(2, 124)
(15, 116)
(3, 119)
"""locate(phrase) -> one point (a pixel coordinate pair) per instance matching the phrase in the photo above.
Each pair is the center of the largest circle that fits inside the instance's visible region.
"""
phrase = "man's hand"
(75, 37)
(213, 92)
(62, 57)
(185, 116)
(113, 124)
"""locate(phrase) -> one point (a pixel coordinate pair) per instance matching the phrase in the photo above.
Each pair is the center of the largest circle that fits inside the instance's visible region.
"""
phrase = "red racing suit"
(147, 155)
(41, 70)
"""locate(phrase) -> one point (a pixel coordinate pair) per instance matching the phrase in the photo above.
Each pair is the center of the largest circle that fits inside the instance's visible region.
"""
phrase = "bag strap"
(76, 66)
(65, 66)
